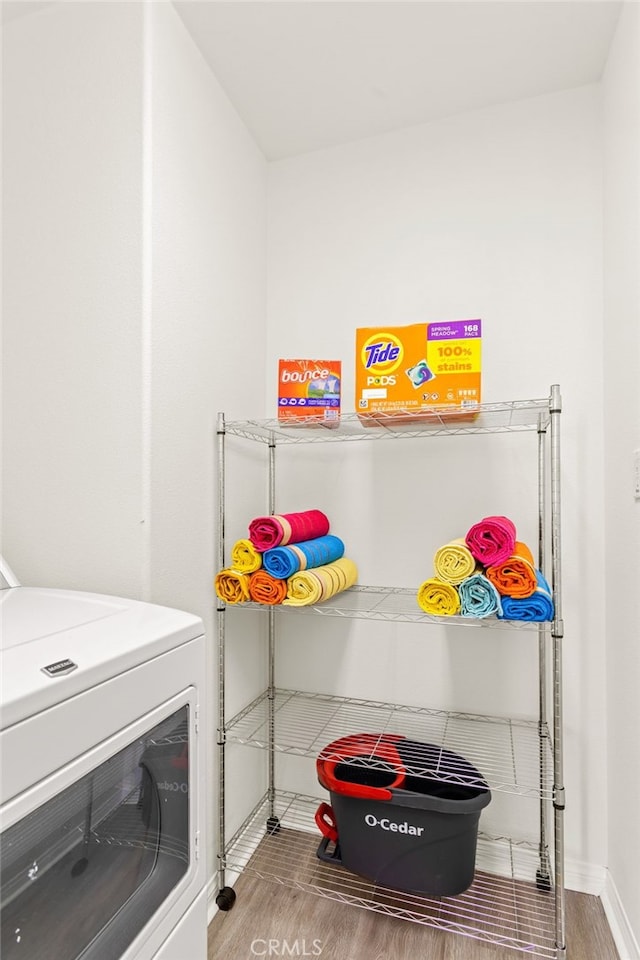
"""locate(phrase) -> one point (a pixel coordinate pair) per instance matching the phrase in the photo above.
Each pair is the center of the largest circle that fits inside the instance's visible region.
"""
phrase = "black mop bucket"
(403, 813)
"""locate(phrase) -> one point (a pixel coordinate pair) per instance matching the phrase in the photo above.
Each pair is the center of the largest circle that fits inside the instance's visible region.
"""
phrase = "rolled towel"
(515, 576)
(245, 557)
(491, 540)
(438, 598)
(283, 562)
(537, 607)
(454, 562)
(272, 531)
(479, 597)
(321, 583)
(263, 588)
(303, 588)
(232, 586)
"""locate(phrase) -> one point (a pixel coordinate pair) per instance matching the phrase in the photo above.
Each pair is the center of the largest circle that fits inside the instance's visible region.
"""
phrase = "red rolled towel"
(491, 540)
(272, 531)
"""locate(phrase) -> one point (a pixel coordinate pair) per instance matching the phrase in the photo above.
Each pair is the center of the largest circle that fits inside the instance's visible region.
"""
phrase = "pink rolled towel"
(272, 531)
(491, 540)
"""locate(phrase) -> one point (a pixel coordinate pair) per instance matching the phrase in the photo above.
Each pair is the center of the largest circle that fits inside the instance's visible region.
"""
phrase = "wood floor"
(316, 927)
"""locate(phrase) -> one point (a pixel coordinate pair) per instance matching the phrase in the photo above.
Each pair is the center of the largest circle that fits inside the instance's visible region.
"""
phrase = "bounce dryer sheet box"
(309, 392)
(418, 370)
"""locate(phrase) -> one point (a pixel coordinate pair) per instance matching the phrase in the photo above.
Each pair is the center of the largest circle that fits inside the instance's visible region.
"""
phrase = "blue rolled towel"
(284, 562)
(538, 607)
(281, 562)
(479, 597)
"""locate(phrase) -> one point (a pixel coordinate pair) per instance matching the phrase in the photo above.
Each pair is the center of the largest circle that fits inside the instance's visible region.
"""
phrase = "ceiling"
(308, 75)
(12, 9)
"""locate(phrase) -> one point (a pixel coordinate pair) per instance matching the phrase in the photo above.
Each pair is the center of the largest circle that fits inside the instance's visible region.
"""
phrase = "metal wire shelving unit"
(517, 899)
(393, 604)
(510, 417)
(506, 750)
(501, 907)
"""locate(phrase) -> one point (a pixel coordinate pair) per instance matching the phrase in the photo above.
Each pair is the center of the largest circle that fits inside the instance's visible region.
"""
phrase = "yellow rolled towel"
(232, 586)
(438, 598)
(454, 562)
(320, 583)
(244, 557)
(303, 588)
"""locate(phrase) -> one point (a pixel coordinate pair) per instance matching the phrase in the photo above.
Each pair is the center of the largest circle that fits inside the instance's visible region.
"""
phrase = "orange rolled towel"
(515, 576)
(263, 588)
(232, 586)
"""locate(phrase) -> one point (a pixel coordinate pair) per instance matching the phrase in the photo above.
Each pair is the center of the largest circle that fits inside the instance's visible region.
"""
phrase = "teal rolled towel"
(479, 597)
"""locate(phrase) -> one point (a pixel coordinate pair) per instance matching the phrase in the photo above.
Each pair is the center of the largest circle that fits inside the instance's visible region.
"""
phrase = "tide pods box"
(418, 370)
(309, 392)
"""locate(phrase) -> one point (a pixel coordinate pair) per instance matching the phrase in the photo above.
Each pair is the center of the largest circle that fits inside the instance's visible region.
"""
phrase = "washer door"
(86, 869)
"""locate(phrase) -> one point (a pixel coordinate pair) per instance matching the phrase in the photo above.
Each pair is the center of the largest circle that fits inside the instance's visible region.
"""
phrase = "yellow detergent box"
(415, 369)
(309, 391)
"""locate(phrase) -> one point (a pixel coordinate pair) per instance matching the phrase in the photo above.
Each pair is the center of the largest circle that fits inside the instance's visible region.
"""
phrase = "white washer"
(102, 799)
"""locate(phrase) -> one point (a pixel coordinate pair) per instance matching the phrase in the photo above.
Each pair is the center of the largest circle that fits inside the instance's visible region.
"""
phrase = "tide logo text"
(382, 353)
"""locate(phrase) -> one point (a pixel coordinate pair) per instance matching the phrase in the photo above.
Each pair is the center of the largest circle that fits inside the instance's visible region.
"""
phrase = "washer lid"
(29, 614)
(55, 644)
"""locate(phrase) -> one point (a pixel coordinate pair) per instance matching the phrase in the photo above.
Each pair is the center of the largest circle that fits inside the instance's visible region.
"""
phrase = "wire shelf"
(506, 752)
(515, 757)
(507, 417)
(501, 907)
(391, 604)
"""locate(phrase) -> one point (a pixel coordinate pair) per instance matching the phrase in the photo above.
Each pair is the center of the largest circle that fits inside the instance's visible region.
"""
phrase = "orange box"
(309, 390)
(418, 370)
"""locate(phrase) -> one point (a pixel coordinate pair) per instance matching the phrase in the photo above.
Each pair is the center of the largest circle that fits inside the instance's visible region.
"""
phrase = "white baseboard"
(623, 935)
(584, 877)
(212, 893)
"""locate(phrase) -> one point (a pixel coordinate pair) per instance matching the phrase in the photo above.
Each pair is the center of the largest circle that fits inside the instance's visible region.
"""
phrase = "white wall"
(621, 353)
(208, 300)
(206, 354)
(495, 214)
(72, 133)
(134, 310)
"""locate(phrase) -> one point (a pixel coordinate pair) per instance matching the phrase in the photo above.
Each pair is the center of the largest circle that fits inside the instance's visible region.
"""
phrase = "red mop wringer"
(403, 813)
